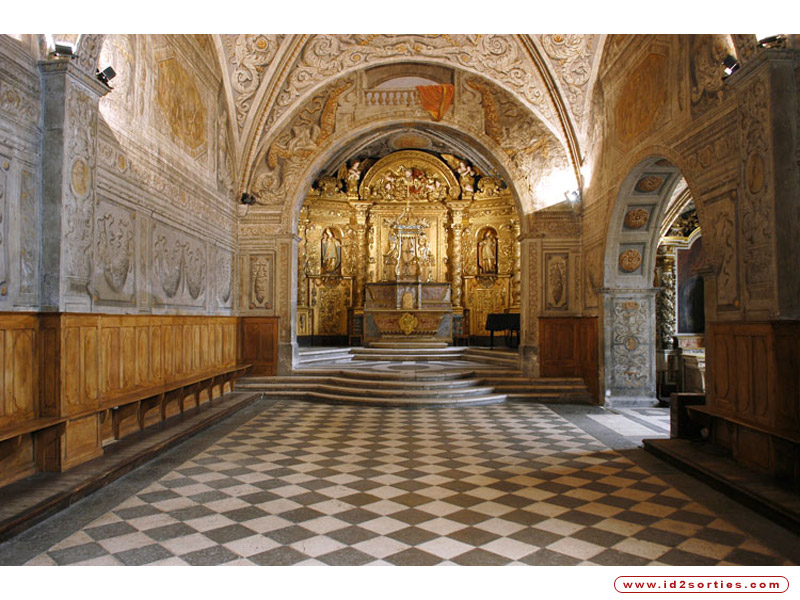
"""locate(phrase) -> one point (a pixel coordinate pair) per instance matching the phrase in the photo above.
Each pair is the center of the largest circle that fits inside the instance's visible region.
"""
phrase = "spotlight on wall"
(106, 74)
(772, 41)
(572, 196)
(248, 199)
(730, 65)
(64, 49)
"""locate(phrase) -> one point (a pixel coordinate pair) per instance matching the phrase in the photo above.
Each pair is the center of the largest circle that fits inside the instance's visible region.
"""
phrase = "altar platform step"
(508, 358)
(313, 356)
(416, 388)
(354, 387)
(409, 345)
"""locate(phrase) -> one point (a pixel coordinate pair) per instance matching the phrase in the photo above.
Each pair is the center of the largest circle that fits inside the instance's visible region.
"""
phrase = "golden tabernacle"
(412, 246)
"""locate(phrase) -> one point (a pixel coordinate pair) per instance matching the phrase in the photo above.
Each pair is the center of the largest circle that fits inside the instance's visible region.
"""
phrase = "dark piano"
(507, 322)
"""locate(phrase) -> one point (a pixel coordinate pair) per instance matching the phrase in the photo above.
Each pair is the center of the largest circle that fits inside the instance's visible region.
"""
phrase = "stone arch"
(634, 227)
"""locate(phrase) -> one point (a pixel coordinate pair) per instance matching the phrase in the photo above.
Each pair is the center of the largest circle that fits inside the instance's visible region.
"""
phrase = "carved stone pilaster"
(665, 299)
(629, 346)
(69, 144)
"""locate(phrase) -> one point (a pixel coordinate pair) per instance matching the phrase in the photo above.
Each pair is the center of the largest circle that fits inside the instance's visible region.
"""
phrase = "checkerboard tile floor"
(313, 484)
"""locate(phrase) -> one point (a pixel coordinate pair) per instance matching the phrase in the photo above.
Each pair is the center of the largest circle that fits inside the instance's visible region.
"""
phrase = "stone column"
(69, 148)
(629, 346)
(302, 256)
(666, 317)
(286, 304)
(530, 284)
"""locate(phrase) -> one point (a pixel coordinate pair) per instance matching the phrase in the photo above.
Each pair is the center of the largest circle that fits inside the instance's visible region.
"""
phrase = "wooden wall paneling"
(16, 459)
(259, 344)
(49, 362)
(81, 441)
(786, 415)
(568, 348)
(18, 379)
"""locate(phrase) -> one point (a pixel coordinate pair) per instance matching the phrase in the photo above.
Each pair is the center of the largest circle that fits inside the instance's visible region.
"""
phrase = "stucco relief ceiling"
(270, 76)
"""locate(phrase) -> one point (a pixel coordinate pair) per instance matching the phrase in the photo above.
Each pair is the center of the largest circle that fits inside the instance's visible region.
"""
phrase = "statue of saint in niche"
(331, 253)
(426, 259)
(487, 253)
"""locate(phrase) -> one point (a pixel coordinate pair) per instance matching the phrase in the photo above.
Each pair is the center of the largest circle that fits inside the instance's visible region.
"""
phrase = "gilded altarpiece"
(407, 219)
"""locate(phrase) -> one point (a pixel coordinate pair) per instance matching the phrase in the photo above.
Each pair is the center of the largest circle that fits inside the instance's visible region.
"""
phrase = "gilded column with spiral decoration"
(515, 280)
(456, 224)
(666, 315)
(359, 223)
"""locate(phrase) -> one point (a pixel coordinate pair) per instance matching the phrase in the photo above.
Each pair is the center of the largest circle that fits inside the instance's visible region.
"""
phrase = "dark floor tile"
(346, 557)
(727, 538)
(468, 517)
(413, 557)
(356, 516)
(241, 515)
(480, 558)
(301, 514)
(361, 499)
(616, 558)
(524, 517)
(75, 554)
(598, 537)
(658, 536)
(473, 536)
(229, 533)
(208, 557)
(412, 516)
(680, 558)
(687, 516)
(637, 518)
(206, 497)
(191, 512)
(143, 556)
(177, 483)
(158, 496)
(290, 535)
(351, 535)
(580, 517)
(135, 512)
(465, 500)
(535, 537)
(225, 482)
(413, 535)
(111, 530)
(747, 558)
(168, 532)
(545, 557)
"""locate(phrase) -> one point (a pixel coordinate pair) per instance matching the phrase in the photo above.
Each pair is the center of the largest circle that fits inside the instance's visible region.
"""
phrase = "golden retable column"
(515, 281)
(359, 224)
(456, 224)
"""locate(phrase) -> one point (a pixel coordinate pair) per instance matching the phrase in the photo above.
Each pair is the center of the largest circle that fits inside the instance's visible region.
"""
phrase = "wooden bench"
(133, 404)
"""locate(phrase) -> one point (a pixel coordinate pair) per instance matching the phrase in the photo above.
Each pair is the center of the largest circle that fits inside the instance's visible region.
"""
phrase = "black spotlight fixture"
(773, 41)
(248, 199)
(730, 64)
(106, 75)
(64, 50)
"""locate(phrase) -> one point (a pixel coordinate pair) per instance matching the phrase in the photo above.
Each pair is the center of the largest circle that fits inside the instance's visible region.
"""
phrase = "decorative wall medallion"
(630, 260)
(631, 343)
(262, 278)
(637, 218)
(650, 183)
(556, 281)
(408, 323)
(80, 178)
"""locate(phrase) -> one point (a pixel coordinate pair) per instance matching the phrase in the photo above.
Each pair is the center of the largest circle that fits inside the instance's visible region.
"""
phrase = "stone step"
(317, 350)
(409, 345)
(401, 401)
(350, 382)
(356, 391)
